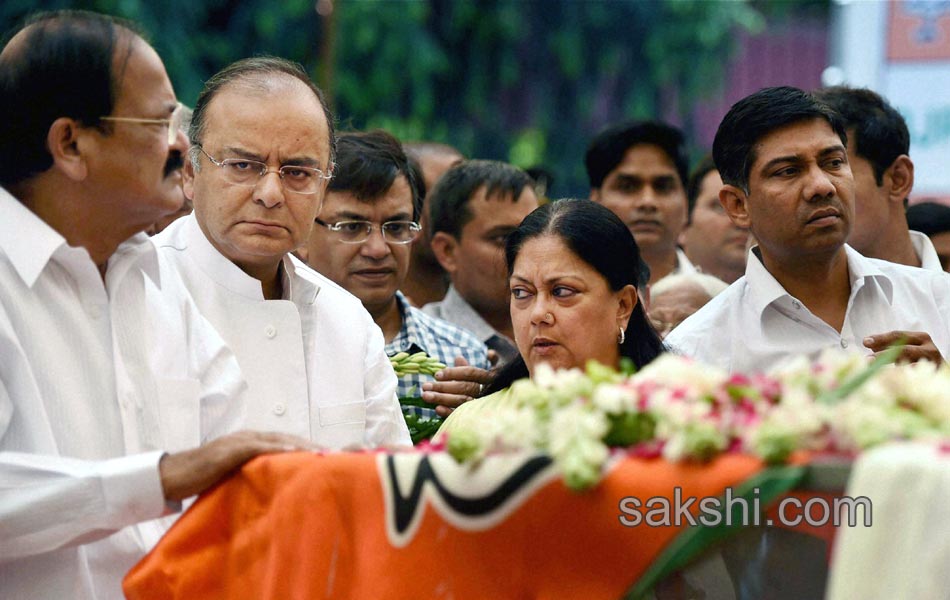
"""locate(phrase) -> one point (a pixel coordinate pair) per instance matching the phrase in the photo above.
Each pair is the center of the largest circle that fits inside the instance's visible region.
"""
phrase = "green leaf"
(771, 482)
(851, 384)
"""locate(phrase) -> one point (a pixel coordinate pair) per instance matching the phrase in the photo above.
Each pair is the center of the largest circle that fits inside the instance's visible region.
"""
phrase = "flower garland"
(680, 410)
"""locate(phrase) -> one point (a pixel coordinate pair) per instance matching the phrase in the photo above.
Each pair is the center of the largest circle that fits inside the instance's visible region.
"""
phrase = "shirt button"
(797, 304)
(279, 409)
(94, 312)
(844, 343)
(270, 331)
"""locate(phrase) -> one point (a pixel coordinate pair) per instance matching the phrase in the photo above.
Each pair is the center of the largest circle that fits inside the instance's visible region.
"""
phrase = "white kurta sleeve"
(223, 387)
(48, 502)
(385, 425)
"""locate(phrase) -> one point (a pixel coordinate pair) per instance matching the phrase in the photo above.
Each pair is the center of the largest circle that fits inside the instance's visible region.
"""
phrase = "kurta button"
(796, 304)
(94, 312)
(279, 408)
(271, 331)
(844, 343)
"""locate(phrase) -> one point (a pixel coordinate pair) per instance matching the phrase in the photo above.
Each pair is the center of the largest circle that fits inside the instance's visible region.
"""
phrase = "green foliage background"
(528, 81)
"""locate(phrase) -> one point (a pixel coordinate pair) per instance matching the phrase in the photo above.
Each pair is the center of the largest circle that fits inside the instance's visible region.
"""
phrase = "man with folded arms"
(109, 379)
(783, 157)
(262, 151)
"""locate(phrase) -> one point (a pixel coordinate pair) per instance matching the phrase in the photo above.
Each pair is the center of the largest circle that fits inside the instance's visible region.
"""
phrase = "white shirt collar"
(30, 243)
(683, 265)
(25, 238)
(227, 274)
(925, 251)
(764, 289)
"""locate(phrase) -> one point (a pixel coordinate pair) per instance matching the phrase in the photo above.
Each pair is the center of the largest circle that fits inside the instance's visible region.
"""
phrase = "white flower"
(695, 412)
(861, 426)
(615, 399)
(576, 434)
(671, 370)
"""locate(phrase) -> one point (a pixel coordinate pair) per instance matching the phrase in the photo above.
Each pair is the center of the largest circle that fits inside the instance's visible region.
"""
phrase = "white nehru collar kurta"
(755, 324)
(314, 360)
(97, 379)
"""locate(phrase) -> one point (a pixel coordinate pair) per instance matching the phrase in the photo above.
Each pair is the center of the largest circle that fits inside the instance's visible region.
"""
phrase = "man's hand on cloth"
(185, 474)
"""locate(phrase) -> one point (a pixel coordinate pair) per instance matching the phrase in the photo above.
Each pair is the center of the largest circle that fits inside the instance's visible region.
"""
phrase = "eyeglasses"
(294, 178)
(173, 122)
(357, 232)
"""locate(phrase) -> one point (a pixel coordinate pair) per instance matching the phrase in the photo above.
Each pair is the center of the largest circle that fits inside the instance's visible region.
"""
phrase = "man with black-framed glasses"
(260, 160)
(362, 242)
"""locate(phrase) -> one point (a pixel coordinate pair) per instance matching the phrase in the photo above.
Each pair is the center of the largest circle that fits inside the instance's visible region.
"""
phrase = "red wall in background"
(793, 54)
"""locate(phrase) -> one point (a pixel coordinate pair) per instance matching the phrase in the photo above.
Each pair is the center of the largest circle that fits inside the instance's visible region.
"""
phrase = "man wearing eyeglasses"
(110, 382)
(261, 156)
(363, 243)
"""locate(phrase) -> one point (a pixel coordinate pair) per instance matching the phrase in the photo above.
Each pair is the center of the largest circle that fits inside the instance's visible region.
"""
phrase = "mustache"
(174, 163)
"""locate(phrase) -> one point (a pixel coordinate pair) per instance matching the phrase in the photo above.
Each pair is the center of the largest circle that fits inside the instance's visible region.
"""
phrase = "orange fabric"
(308, 526)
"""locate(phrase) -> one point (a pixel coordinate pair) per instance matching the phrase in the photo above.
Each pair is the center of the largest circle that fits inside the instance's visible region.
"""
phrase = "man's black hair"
(695, 185)
(929, 218)
(607, 149)
(880, 133)
(449, 199)
(757, 115)
(369, 162)
(64, 65)
(248, 71)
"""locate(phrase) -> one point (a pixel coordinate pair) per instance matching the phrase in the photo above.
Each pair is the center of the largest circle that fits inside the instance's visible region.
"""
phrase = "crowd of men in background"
(136, 372)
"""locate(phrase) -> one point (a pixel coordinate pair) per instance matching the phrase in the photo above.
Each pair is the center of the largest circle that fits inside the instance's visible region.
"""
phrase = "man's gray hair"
(252, 72)
(709, 284)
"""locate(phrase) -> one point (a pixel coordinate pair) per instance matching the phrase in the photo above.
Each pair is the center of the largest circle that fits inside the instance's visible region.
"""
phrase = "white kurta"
(314, 361)
(97, 379)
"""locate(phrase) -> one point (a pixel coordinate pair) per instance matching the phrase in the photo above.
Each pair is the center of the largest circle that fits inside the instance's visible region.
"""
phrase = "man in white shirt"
(878, 148)
(932, 219)
(109, 378)
(261, 155)
(782, 155)
(638, 170)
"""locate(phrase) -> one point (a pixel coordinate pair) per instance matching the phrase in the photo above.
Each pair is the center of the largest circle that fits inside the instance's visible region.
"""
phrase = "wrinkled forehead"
(253, 97)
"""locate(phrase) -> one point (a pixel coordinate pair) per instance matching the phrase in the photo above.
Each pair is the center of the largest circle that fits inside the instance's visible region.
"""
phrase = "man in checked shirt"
(362, 242)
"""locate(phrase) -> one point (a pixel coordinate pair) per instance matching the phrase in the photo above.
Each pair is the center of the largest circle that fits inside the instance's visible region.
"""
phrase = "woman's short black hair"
(599, 238)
